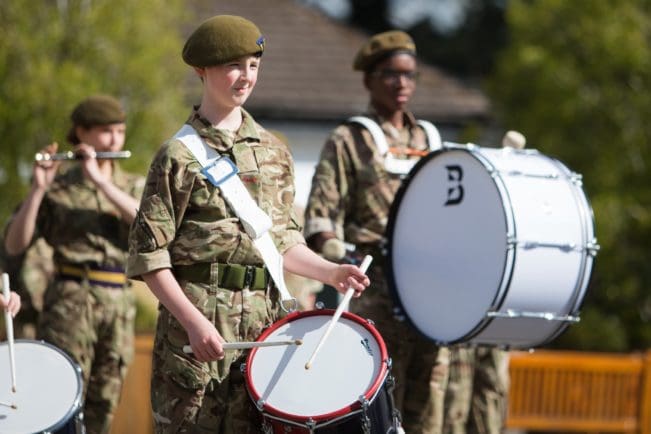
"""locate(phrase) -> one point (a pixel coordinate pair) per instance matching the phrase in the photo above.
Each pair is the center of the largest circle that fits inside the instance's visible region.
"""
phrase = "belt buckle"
(249, 276)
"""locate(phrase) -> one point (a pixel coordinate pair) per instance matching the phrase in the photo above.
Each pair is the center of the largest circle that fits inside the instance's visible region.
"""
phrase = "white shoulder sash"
(222, 173)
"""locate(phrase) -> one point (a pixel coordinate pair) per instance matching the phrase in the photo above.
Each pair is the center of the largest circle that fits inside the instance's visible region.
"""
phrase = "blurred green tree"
(575, 80)
(55, 53)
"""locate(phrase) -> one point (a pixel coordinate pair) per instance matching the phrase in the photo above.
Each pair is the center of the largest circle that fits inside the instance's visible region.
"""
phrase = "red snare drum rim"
(377, 383)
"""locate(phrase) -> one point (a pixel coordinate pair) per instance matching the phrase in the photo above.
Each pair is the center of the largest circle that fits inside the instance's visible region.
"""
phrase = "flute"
(44, 156)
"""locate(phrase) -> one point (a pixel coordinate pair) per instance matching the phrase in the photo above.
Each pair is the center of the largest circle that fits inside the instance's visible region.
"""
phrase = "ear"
(201, 72)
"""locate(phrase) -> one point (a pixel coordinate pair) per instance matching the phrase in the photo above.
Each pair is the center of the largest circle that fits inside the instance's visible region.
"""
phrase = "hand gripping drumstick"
(248, 345)
(344, 303)
(10, 331)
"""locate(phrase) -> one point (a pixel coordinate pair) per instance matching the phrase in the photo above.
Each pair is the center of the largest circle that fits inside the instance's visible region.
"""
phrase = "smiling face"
(229, 85)
(391, 83)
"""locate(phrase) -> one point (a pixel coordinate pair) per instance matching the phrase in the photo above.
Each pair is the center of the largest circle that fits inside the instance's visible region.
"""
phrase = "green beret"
(221, 39)
(98, 110)
(381, 45)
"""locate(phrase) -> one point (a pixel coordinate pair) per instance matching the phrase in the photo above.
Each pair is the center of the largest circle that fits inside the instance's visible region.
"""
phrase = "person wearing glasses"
(361, 167)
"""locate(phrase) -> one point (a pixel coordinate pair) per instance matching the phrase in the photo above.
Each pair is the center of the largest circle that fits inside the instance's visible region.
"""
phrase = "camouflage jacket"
(81, 224)
(352, 192)
(183, 218)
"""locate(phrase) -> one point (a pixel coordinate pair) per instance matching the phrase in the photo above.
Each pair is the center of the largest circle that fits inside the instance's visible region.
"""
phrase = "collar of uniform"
(408, 118)
(220, 139)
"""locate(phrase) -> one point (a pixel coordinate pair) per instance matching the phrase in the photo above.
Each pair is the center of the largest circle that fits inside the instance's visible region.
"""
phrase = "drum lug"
(260, 404)
(592, 247)
(398, 314)
(370, 321)
(576, 179)
(243, 368)
(311, 425)
(366, 421)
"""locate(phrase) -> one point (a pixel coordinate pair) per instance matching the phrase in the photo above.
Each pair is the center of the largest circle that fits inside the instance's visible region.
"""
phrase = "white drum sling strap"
(391, 163)
(222, 173)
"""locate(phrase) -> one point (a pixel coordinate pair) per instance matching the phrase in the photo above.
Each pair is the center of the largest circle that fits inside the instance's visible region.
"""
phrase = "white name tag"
(219, 171)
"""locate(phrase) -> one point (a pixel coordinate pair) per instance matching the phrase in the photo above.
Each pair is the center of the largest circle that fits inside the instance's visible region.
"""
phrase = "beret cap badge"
(221, 39)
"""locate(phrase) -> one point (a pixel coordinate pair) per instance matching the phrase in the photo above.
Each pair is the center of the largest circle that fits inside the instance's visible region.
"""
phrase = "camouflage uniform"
(476, 396)
(89, 320)
(351, 196)
(185, 224)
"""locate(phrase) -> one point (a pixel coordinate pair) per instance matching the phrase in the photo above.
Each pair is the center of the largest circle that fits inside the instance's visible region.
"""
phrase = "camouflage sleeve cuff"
(289, 239)
(143, 263)
(319, 224)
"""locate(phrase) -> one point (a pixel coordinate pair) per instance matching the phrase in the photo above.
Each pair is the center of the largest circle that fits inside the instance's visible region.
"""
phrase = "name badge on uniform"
(219, 171)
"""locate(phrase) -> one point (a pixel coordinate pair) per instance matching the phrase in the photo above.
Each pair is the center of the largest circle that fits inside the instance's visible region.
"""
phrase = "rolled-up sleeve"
(154, 227)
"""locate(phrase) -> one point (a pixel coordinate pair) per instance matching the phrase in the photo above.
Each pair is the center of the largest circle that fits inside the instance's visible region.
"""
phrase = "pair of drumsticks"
(333, 321)
(9, 325)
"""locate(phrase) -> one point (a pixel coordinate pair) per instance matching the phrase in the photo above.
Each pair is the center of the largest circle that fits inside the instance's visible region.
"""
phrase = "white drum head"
(48, 388)
(447, 245)
(350, 364)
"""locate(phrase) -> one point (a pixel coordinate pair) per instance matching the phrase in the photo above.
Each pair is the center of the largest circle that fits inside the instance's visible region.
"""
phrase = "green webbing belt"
(229, 276)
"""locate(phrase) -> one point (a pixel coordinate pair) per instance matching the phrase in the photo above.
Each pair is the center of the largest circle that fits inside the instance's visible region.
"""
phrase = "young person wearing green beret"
(84, 213)
(361, 167)
(191, 240)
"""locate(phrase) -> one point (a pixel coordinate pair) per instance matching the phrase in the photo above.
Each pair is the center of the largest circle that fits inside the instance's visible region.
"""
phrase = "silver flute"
(44, 156)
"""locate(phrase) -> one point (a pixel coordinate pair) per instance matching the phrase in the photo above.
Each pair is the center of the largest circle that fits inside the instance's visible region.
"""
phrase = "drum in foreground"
(490, 246)
(344, 391)
(48, 390)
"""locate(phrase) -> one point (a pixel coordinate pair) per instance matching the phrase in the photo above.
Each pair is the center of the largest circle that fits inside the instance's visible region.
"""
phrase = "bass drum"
(490, 246)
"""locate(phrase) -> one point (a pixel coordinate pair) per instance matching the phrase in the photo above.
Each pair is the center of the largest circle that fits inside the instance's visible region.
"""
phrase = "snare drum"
(48, 390)
(344, 391)
(490, 246)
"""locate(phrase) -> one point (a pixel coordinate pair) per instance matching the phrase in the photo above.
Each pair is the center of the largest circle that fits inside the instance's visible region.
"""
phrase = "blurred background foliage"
(572, 76)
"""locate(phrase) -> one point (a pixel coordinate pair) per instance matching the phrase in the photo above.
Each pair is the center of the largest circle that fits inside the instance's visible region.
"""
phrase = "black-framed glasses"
(393, 76)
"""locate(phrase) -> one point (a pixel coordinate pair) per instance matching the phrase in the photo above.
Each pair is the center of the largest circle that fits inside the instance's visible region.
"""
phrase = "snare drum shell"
(474, 231)
(352, 363)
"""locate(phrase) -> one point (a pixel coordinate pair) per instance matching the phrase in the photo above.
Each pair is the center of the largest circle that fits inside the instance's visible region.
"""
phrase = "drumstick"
(9, 405)
(344, 302)
(248, 345)
(10, 332)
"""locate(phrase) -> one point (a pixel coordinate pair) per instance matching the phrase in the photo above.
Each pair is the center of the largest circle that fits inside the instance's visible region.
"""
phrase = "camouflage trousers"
(189, 396)
(94, 324)
(476, 396)
(419, 367)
